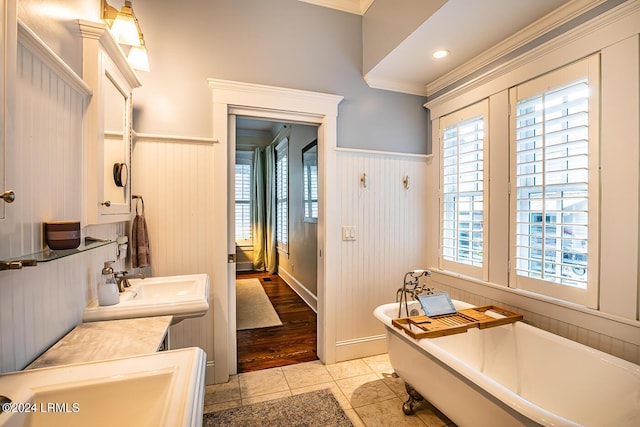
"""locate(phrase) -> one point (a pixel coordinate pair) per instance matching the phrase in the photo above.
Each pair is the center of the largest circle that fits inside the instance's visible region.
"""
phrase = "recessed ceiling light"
(441, 53)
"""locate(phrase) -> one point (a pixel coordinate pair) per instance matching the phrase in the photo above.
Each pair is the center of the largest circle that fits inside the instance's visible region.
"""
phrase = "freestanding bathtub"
(515, 375)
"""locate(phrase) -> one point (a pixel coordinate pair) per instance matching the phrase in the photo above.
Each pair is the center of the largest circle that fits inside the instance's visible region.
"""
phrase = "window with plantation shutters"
(554, 184)
(243, 199)
(463, 220)
(282, 195)
(310, 182)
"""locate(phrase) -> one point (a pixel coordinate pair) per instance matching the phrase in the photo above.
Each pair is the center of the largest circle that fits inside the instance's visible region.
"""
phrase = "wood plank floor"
(293, 342)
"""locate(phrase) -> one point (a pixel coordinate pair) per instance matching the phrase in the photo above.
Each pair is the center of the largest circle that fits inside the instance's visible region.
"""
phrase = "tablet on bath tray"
(435, 305)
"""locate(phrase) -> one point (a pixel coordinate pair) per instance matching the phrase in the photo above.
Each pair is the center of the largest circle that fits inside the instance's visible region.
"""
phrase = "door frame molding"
(282, 104)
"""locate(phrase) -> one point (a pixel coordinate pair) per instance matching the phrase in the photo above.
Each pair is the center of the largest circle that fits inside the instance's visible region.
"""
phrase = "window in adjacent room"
(310, 181)
(282, 195)
(463, 226)
(243, 198)
(554, 188)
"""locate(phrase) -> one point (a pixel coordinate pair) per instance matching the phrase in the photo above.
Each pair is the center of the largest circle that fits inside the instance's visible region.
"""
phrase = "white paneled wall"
(38, 305)
(617, 347)
(175, 178)
(44, 162)
(389, 240)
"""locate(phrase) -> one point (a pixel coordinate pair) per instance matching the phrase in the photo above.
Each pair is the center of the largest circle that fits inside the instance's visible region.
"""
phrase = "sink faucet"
(122, 279)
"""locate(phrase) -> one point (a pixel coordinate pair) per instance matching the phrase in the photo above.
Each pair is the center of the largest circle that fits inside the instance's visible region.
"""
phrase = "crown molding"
(91, 30)
(611, 17)
(358, 7)
(410, 88)
(539, 28)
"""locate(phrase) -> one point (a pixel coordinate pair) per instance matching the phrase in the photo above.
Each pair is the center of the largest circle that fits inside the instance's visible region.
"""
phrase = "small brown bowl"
(62, 234)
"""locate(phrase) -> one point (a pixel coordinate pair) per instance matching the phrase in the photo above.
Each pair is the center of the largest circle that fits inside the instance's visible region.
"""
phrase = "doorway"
(275, 230)
(287, 105)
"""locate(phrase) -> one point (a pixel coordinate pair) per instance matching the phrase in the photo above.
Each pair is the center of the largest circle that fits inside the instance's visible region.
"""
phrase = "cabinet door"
(116, 98)
(8, 42)
(107, 146)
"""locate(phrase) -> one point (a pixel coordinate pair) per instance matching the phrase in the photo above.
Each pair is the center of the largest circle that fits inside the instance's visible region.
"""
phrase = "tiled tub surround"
(365, 388)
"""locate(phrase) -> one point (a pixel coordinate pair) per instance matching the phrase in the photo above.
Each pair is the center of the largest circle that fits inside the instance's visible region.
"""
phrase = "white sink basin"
(179, 296)
(159, 389)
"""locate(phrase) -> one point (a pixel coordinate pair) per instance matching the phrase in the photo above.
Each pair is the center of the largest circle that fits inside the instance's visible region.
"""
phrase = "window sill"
(588, 318)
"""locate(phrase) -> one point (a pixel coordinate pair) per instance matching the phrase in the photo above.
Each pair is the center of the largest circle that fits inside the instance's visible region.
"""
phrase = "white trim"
(281, 104)
(382, 153)
(309, 298)
(354, 348)
(610, 325)
(358, 7)
(410, 88)
(573, 45)
(171, 138)
(551, 21)
(31, 41)
(99, 31)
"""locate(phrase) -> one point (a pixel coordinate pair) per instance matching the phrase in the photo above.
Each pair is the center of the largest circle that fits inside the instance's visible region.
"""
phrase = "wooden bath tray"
(448, 324)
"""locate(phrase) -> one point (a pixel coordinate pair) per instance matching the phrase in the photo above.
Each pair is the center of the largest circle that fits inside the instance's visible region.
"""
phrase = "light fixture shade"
(125, 31)
(138, 58)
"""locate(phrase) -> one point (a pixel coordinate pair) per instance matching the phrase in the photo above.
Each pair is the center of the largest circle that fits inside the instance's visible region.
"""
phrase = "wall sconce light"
(138, 57)
(126, 30)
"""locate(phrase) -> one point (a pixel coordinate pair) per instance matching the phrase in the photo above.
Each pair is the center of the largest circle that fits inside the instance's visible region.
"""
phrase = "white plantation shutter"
(243, 201)
(554, 148)
(282, 195)
(463, 220)
(310, 179)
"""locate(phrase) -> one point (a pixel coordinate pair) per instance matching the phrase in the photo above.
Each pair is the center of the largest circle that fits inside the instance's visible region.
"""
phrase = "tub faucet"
(413, 288)
(122, 279)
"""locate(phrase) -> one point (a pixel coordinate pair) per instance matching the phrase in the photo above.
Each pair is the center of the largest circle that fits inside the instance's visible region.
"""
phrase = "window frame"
(244, 158)
(587, 68)
(480, 108)
(282, 195)
(309, 192)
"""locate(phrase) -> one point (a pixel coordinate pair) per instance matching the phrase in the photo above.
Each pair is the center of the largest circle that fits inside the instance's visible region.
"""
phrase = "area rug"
(316, 408)
(253, 308)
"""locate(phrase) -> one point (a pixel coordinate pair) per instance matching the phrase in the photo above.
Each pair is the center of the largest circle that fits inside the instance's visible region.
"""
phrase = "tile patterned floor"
(366, 388)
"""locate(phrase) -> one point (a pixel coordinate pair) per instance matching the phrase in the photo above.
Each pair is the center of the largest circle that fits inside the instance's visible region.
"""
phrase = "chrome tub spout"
(413, 288)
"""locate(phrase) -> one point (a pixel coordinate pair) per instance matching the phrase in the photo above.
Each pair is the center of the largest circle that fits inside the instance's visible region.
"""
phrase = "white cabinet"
(7, 89)
(107, 147)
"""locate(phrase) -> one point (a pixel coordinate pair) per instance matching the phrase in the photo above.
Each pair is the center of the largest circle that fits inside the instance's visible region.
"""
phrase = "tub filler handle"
(413, 288)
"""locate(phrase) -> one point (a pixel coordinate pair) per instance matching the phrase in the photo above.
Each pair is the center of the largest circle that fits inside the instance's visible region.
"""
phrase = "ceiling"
(466, 28)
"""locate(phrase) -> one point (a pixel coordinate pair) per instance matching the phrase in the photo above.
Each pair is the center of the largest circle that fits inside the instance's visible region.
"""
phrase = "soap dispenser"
(108, 289)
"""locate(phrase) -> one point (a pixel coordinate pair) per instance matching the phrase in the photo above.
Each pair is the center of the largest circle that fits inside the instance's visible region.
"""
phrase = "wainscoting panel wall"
(44, 162)
(38, 305)
(175, 178)
(389, 239)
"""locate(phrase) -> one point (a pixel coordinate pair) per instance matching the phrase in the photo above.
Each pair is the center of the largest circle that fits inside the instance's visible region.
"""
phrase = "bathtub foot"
(414, 398)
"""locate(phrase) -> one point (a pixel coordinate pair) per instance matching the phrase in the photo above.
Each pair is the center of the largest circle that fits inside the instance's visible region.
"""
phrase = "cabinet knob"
(106, 203)
(8, 196)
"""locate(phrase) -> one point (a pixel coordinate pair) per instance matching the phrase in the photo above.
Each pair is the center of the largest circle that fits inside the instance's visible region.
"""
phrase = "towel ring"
(138, 204)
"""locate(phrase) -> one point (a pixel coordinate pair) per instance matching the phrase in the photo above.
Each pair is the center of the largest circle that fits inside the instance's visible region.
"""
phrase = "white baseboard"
(361, 347)
(209, 373)
(304, 293)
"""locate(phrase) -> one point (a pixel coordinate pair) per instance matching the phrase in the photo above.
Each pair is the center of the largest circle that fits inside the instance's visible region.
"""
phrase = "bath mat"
(316, 408)
(253, 308)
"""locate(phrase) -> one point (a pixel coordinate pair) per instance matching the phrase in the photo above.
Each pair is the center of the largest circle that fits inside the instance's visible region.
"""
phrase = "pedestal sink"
(179, 296)
(159, 389)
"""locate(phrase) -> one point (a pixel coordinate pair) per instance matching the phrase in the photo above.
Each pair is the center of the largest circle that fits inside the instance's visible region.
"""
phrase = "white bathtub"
(515, 375)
